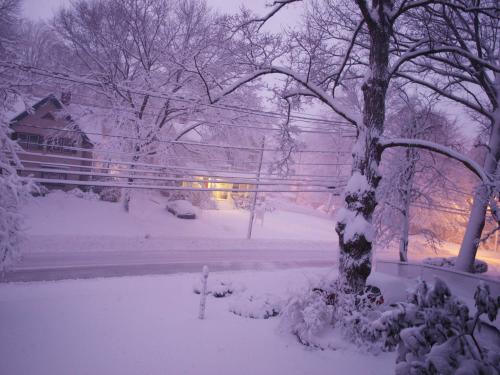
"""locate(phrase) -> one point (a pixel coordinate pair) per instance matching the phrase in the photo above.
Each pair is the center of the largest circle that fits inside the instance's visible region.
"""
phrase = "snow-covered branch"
(459, 99)
(312, 88)
(276, 6)
(440, 149)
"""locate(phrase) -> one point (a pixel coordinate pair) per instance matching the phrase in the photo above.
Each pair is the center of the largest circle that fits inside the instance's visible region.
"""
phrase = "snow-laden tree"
(139, 57)
(413, 179)
(465, 69)
(13, 189)
(342, 44)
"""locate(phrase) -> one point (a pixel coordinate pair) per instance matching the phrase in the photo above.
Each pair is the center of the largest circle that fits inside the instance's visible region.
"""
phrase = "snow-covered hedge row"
(479, 265)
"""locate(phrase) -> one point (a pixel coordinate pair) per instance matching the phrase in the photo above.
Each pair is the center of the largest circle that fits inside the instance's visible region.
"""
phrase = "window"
(30, 141)
(61, 144)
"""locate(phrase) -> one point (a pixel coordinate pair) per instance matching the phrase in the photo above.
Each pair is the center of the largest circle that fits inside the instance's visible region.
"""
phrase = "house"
(54, 147)
(225, 199)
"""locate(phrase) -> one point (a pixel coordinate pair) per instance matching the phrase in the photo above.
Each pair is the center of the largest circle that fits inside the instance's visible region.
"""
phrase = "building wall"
(34, 128)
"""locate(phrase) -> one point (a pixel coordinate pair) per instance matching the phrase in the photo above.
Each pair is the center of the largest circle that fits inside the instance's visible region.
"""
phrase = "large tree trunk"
(354, 225)
(405, 193)
(477, 217)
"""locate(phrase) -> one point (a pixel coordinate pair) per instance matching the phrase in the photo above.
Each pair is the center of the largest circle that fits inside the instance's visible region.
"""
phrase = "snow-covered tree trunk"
(477, 217)
(406, 192)
(354, 225)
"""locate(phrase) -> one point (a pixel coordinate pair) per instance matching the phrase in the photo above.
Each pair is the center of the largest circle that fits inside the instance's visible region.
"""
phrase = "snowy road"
(55, 258)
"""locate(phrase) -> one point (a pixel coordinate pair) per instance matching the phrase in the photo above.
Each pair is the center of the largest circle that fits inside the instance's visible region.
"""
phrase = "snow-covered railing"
(464, 282)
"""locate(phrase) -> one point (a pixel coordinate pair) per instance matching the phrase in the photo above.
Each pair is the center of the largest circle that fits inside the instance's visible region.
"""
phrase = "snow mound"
(480, 266)
(257, 307)
(77, 193)
(219, 288)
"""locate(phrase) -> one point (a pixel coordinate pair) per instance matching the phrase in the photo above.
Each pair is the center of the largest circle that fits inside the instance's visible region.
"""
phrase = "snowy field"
(149, 325)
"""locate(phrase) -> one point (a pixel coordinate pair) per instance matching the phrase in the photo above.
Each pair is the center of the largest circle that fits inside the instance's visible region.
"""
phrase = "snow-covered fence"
(464, 282)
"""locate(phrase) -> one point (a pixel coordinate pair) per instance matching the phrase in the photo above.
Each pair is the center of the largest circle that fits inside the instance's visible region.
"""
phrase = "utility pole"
(254, 200)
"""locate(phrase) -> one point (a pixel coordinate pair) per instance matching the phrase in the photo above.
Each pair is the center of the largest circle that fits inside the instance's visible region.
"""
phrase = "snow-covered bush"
(256, 307)
(307, 315)
(329, 306)
(110, 194)
(219, 288)
(479, 265)
(88, 195)
(436, 335)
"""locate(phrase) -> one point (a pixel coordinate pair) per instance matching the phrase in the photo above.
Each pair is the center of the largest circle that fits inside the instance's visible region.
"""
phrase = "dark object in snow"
(479, 265)
(369, 298)
(218, 288)
(110, 194)
(182, 209)
(40, 191)
(256, 307)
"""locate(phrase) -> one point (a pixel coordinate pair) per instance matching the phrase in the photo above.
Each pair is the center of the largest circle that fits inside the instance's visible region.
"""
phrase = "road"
(42, 264)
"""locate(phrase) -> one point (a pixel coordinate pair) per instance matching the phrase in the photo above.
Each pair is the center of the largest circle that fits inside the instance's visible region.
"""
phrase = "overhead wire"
(70, 78)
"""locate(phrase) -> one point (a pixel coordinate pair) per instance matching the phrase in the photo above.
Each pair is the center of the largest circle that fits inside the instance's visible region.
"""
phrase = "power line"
(195, 144)
(70, 78)
(169, 179)
(95, 150)
(169, 188)
(175, 168)
(199, 174)
(205, 122)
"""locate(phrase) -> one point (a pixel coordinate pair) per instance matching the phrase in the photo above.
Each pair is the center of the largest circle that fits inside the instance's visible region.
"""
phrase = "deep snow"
(149, 325)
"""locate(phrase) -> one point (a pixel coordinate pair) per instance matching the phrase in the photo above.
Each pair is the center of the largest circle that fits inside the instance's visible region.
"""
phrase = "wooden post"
(254, 200)
(203, 294)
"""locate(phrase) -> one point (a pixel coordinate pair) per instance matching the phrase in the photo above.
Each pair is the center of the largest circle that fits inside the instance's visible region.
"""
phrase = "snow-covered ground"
(59, 213)
(63, 223)
(149, 325)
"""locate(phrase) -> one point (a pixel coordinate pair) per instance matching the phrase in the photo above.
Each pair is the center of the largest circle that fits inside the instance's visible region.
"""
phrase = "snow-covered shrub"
(330, 306)
(256, 307)
(218, 288)
(13, 192)
(479, 265)
(435, 333)
(110, 194)
(88, 195)
(307, 315)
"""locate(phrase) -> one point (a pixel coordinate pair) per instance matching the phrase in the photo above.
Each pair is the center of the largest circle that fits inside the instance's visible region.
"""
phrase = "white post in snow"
(254, 200)
(203, 294)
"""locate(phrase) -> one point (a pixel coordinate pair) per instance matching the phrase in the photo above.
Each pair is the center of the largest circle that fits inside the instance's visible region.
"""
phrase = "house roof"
(56, 102)
(51, 98)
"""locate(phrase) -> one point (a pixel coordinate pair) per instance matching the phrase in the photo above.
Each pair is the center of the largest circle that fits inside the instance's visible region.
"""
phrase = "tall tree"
(138, 53)
(13, 189)
(343, 42)
(464, 68)
(415, 181)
